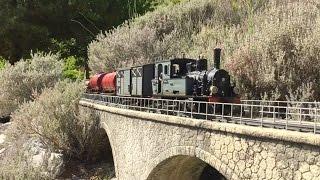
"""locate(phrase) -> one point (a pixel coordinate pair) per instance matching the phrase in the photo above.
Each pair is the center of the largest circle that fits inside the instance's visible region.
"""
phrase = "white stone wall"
(141, 141)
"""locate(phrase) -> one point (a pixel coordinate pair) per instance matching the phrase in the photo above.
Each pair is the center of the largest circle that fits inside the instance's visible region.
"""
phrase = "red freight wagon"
(109, 83)
(95, 82)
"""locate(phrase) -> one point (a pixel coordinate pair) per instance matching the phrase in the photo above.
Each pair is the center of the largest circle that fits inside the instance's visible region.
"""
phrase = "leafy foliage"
(2, 63)
(22, 81)
(166, 2)
(269, 46)
(71, 69)
(44, 24)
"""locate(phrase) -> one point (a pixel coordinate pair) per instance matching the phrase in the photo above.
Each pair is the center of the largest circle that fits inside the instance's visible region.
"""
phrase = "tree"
(43, 24)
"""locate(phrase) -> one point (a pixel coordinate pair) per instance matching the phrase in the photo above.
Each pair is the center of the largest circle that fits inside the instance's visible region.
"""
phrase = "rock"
(52, 163)
(297, 175)
(242, 165)
(263, 164)
(304, 167)
(4, 127)
(247, 173)
(315, 170)
(307, 175)
(282, 164)
(34, 153)
(2, 138)
(38, 159)
(56, 164)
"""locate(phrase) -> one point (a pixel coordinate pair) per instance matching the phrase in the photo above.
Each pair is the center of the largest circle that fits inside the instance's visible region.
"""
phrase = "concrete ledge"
(259, 132)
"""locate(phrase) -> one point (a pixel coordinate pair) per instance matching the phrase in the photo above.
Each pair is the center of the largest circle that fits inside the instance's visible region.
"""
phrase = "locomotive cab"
(171, 78)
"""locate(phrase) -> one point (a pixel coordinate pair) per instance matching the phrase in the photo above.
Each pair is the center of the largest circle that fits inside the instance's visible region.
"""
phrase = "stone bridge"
(148, 146)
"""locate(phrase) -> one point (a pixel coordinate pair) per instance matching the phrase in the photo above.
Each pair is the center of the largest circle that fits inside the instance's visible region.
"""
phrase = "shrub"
(281, 54)
(20, 82)
(54, 117)
(71, 69)
(269, 46)
(2, 63)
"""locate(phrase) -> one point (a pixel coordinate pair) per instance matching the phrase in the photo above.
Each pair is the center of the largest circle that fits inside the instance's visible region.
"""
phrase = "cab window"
(166, 69)
(175, 70)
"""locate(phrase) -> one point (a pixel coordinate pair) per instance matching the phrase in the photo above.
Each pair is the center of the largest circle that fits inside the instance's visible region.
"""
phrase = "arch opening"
(184, 167)
(99, 161)
(102, 155)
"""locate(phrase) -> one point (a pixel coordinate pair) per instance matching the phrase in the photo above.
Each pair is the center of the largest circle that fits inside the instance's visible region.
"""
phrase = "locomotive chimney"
(217, 55)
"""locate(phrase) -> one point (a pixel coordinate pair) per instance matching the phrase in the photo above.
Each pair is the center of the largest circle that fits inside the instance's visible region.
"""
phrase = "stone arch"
(182, 155)
(184, 167)
(105, 127)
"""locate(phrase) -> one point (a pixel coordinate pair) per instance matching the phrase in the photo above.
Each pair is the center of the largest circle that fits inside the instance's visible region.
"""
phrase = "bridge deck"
(303, 116)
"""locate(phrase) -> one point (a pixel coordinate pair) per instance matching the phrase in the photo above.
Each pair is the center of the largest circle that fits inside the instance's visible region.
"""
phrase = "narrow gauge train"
(177, 78)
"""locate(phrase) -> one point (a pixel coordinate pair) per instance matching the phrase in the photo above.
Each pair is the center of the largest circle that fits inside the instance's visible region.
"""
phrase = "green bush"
(163, 3)
(71, 69)
(2, 63)
(269, 46)
(24, 80)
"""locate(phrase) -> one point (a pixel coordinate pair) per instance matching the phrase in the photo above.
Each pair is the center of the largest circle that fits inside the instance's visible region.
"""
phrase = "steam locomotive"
(177, 78)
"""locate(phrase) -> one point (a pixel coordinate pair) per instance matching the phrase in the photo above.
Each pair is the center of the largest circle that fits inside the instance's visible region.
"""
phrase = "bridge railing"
(297, 118)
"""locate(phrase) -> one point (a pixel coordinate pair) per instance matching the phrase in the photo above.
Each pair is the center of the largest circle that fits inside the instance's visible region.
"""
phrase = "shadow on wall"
(185, 168)
(103, 151)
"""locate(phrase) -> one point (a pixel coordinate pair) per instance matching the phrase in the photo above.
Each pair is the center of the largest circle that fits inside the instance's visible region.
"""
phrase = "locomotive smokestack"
(217, 55)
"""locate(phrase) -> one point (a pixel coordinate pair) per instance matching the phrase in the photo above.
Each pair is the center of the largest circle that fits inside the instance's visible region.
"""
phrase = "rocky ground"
(82, 170)
(29, 153)
(3, 137)
(52, 164)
